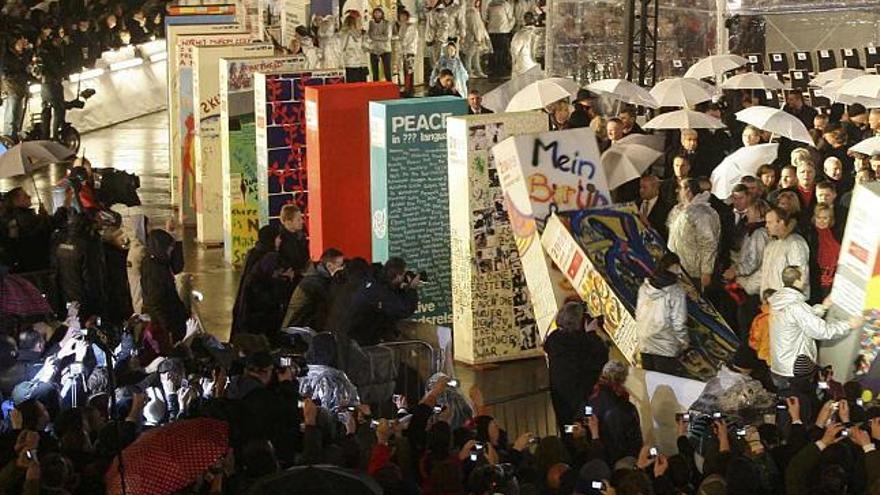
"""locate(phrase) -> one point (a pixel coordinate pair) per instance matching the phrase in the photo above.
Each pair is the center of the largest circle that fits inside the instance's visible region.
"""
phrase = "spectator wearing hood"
(164, 260)
(619, 425)
(661, 317)
(268, 240)
(311, 302)
(695, 232)
(324, 381)
(575, 355)
(795, 326)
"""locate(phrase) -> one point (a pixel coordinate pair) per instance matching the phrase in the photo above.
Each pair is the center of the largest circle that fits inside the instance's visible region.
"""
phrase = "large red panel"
(338, 154)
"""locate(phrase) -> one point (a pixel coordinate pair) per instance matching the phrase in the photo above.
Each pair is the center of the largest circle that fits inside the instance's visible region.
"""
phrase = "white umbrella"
(742, 162)
(715, 65)
(537, 95)
(838, 74)
(870, 146)
(680, 92)
(569, 84)
(863, 86)
(497, 99)
(776, 121)
(684, 119)
(832, 91)
(625, 162)
(753, 80)
(27, 157)
(653, 141)
(625, 91)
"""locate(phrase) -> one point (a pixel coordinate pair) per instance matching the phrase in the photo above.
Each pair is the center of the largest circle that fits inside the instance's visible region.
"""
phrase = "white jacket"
(794, 329)
(329, 43)
(379, 36)
(522, 50)
(456, 26)
(780, 253)
(437, 27)
(694, 233)
(408, 37)
(749, 259)
(500, 17)
(661, 317)
(354, 49)
(476, 38)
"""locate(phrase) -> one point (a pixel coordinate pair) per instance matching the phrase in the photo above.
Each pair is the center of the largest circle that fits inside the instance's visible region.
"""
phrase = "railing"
(525, 412)
(418, 361)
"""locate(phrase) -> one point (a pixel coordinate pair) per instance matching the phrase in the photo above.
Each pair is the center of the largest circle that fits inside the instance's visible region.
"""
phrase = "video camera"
(410, 275)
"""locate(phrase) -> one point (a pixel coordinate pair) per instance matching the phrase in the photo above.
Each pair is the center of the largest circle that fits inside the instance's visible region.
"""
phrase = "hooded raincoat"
(794, 329)
(694, 234)
(661, 316)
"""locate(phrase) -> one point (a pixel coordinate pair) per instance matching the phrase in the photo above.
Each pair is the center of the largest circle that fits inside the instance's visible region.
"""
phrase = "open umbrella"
(625, 162)
(715, 65)
(497, 99)
(776, 121)
(168, 458)
(753, 80)
(625, 91)
(653, 141)
(537, 95)
(19, 297)
(742, 162)
(680, 92)
(569, 84)
(29, 156)
(684, 119)
(838, 74)
(870, 146)
(863, 86)
(317, 480)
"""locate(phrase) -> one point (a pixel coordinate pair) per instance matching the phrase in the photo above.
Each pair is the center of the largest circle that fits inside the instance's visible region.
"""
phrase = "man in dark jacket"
(54, 65)
(268, 239)
(15, 83)
(266, 397)
(79, 262)
(164, 260)
(380, 304)
(25, 233)
(619, 424)
(575, 355)
(310, 304)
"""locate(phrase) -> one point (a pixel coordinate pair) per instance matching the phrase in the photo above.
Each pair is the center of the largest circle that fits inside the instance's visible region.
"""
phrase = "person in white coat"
(661, 317)
(379, 41)
(795, 326)
(355, 55)
(437, 31)
(475, 42)
(329, 42)
(522, 46)
(785, 249)
(500, 20)
(694, 232)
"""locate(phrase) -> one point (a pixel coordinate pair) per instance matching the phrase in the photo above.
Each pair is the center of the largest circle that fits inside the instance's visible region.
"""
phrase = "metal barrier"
(417, 361)
(525, 412)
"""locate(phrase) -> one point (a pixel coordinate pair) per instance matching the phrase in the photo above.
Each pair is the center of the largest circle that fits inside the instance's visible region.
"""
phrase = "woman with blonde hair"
(824, 251)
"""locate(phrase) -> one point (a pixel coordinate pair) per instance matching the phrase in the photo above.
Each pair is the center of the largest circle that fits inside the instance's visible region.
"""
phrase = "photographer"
(15, 83)
(267, 395)
(380, 304)
(50, 66)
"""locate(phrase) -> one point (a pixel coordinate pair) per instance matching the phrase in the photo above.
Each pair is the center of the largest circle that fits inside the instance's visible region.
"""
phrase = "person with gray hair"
(575, 355)
(619, 424)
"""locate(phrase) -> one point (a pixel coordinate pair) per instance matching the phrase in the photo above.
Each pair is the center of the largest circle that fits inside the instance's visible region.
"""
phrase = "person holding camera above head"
(381, 303)
(795, 326)
(267, 397)
(311, 301)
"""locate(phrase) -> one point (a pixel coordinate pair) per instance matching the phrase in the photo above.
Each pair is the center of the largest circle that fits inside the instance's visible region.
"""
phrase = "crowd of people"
(45, 42)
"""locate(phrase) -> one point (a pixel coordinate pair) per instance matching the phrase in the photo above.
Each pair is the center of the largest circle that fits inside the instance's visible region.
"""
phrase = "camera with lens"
(410, 275)
(294, 361)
